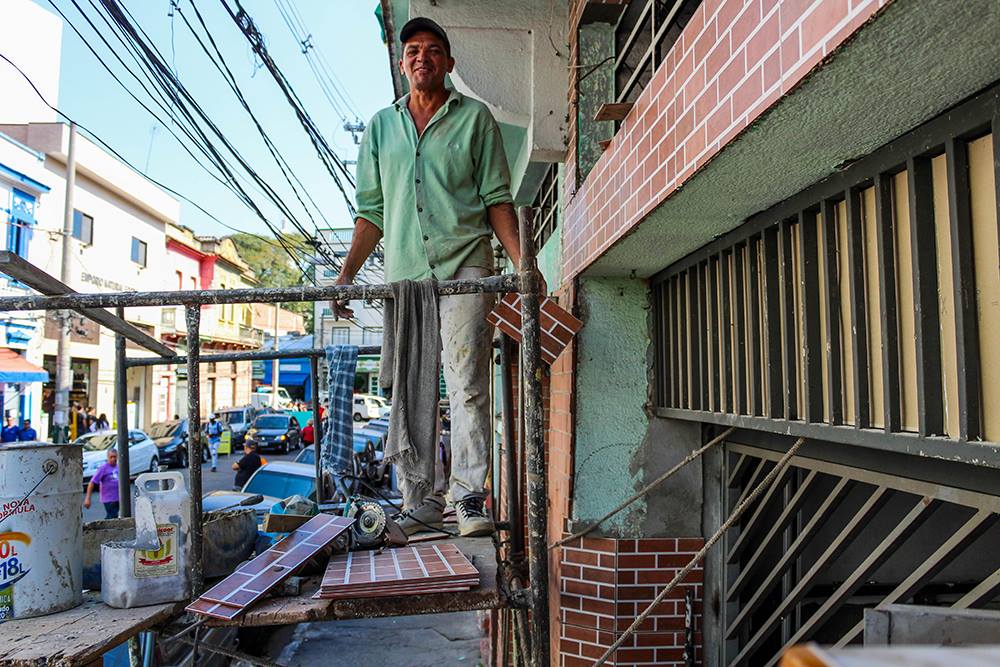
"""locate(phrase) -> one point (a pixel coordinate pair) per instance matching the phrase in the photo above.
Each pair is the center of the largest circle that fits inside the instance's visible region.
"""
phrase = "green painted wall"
(611, 390)
(596, 86)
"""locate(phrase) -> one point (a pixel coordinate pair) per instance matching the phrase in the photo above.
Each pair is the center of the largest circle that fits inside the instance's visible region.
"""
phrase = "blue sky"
(345, 32)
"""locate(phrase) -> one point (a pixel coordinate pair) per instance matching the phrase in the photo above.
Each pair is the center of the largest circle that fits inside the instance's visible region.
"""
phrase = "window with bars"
(546, 206)
(869, 300)
(645, 33)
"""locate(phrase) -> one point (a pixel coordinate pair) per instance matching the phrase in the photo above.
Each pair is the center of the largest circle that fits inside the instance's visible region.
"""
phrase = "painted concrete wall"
(30, 36)
(611, 391)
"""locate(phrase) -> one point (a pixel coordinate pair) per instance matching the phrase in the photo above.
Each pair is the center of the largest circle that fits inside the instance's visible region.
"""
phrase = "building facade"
(778, 221)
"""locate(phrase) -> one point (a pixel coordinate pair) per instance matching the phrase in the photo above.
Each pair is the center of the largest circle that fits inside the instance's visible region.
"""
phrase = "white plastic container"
(133, 575)
(41, 529)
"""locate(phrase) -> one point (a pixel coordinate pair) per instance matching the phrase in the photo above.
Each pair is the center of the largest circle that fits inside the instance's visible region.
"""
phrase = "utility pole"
(64, 370)
(275, 364)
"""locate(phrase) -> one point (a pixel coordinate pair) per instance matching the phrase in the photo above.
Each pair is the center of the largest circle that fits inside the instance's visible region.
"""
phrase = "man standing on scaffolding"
(433, 181)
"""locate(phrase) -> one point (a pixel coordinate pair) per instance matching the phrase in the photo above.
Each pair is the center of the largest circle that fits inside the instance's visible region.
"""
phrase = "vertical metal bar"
(740, 392)
(834, 378)
(703, 334)
(923, 247)
(772, 323)
(682, 323)
(812, 362)
(317, 427)
(675, 343)
(192, 315)
(695, 339)
(535, 445)
(726, 325)
(669, 366)
(510, 449)
(755, 380)
(859, 321)
(789, 337)
(964, 272)
(121, 423)
(886, 241)
(659, 347)
(714, 325)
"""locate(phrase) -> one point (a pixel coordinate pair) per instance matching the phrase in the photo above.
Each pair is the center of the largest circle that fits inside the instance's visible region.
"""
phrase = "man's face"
(425, 61)
(10, 421)
(112, 456)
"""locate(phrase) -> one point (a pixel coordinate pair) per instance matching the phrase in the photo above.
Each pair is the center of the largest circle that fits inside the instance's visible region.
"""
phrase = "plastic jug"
(155, 567)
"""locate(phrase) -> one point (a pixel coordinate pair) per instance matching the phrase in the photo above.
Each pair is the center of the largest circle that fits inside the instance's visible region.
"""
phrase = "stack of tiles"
(252, 581)
(415, 570)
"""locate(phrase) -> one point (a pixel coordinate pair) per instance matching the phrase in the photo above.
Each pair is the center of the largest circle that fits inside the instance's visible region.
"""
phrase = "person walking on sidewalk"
(214, 432)
(434, 185)
(106, 478)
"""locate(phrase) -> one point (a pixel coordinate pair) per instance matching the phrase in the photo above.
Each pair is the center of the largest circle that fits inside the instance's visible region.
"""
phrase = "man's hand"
(86, 502)
(341, 310)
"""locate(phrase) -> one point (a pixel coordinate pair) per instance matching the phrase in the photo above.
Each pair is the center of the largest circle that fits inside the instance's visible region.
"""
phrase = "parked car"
(262, 398)
(142, 452)
(381, 425)
(360, 440)
(368, 406)
(238, 420)
(275, 481)
(171, 438)
(275, 431)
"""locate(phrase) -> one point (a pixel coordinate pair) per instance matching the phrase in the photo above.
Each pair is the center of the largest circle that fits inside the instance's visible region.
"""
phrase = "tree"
(274, 268)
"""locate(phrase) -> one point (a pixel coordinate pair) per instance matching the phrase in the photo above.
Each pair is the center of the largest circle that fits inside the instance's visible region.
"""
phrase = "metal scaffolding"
(57, 296)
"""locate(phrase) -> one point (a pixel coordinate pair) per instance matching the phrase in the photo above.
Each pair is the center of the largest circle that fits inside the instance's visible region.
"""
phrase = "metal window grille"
(861, 302)
(841, 531)
(644, 35)
(546, 206)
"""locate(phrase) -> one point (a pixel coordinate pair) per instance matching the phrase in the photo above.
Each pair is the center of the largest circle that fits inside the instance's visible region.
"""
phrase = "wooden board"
(302, 608)
(77, 636)
(283, 523)
(613, 111)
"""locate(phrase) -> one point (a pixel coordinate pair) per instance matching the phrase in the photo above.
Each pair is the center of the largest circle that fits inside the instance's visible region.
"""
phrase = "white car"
(142, 452)
(368, 406)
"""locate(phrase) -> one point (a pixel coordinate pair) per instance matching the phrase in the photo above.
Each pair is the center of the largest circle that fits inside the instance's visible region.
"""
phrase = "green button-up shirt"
(429, 194)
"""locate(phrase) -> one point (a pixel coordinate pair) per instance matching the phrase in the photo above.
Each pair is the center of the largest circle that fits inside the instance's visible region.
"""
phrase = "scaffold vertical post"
(531, 378)
(317, 426)
(192, 316)
(121, 423)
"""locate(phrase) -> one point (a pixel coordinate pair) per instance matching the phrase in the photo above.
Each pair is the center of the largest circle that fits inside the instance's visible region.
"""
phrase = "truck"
(261, 398)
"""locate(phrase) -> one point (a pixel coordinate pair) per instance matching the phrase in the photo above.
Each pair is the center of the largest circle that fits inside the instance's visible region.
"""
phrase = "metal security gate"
(861, 317)
(837, 534)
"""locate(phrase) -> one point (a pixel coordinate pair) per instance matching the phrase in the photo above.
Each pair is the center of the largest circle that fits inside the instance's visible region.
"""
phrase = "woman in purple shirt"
(106, 478)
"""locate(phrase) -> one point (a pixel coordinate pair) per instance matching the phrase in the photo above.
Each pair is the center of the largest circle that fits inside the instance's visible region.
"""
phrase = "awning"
(15, 368)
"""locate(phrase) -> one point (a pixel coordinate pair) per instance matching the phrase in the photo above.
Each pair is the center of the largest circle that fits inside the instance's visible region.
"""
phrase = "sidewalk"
(410, 641)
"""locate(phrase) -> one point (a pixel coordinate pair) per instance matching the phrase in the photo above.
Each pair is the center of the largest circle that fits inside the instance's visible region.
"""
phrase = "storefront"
(17, 375)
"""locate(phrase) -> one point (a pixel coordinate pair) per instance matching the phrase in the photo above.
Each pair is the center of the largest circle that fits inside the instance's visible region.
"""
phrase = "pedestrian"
(91, 424)
(27, 434)
(214, 432)
(247, 464)
(433, 186)
(308, 434)
(106, 478)
(10, 432)
(102, 423)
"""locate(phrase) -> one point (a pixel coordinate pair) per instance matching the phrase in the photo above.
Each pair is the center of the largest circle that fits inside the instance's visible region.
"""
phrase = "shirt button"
(427, 238)
(420, 210)
(432, 266)
(418, 180)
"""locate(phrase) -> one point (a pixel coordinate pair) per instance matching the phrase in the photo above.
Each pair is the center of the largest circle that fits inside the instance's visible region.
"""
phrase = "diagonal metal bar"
(899, 533)
(788, 513)
(757, 473)
(984, 591)
(818, 519)
(854, 526)
(747, 530)
(22, 271)
(737, 470)
(949, 549)
(698, 557)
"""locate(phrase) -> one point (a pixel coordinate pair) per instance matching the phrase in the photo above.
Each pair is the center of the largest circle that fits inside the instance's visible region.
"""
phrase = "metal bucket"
(41, 529)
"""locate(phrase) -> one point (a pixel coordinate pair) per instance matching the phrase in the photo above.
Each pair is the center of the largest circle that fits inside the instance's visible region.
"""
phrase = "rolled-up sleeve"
(492, 171)
(370, 200)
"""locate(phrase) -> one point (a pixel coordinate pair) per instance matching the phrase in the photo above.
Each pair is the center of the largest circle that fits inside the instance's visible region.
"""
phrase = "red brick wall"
(732, 62)
(606, 583)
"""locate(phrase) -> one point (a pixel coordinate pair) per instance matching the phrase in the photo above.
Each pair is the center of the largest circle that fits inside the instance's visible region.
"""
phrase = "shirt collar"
(454, 97)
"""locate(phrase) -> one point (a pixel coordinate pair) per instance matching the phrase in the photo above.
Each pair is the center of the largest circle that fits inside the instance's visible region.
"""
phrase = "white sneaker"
(473, 517)
(427, 516)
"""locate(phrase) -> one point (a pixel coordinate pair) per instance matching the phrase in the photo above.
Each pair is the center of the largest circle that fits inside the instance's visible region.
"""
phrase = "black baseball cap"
(424, 24)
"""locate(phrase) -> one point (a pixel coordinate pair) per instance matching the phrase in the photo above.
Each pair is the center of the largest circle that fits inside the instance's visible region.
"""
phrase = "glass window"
(280, 484)
(83, 227)
(272, 421)
(341, 335)
(138, 251)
